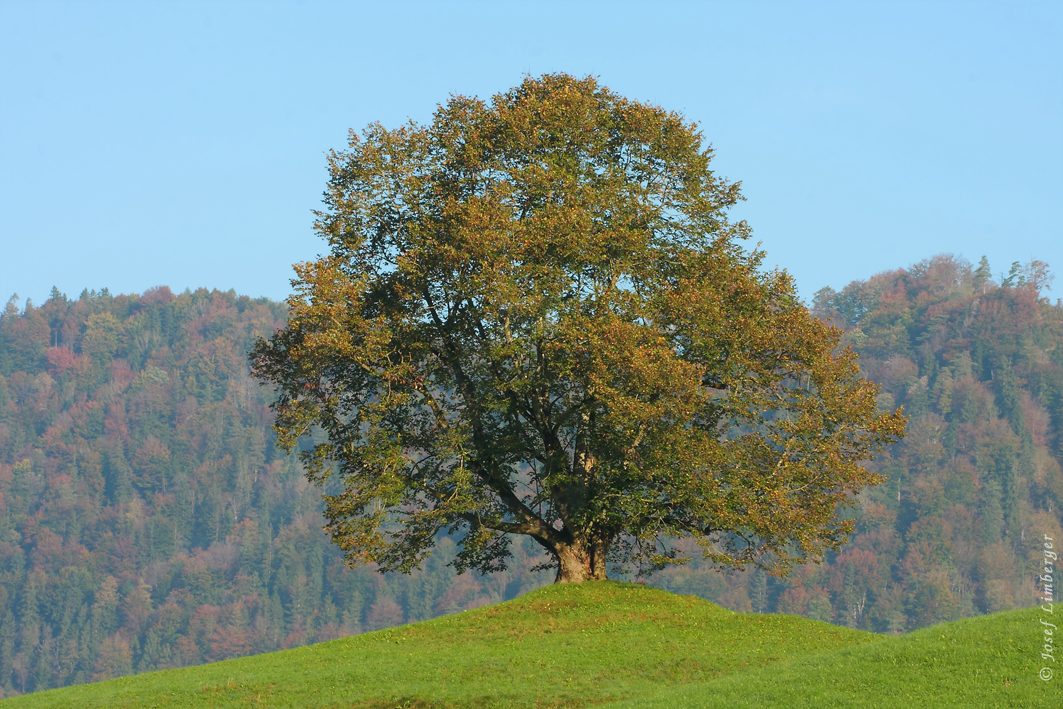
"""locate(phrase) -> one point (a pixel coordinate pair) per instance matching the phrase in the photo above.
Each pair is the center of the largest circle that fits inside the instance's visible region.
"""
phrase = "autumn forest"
(148, 520)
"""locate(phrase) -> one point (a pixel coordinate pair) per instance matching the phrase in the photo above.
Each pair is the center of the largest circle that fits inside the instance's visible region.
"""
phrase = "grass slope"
(559, 646)
(991, 661)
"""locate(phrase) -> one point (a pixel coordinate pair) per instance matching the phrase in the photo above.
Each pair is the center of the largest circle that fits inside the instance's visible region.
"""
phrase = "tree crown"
(536, 318)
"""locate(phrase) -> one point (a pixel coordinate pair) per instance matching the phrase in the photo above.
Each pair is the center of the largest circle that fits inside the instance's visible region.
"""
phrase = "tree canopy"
(536, 318)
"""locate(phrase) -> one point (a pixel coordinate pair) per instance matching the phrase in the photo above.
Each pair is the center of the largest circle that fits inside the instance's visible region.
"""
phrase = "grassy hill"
(991, 661)
(559, 646)
(621, 645)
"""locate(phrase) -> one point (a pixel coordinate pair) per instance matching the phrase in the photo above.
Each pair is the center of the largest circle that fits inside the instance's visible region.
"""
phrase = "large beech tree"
(536, 318)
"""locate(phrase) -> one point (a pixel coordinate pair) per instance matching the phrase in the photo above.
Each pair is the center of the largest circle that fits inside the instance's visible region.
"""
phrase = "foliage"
(147, 519)
(976, 483)
(536, 319)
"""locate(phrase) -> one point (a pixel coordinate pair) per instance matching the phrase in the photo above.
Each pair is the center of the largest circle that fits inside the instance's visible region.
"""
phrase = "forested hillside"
(976, 484)
(147, 519)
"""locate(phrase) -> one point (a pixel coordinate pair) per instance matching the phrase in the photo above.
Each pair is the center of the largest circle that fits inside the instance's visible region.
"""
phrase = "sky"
(183, 144)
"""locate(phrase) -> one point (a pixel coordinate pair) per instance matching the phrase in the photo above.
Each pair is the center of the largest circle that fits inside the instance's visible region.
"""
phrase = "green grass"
(559, 646)
(992, 661)
(612, 645)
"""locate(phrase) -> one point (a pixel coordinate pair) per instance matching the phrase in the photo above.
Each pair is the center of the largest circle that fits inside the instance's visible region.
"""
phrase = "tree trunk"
(579, 562)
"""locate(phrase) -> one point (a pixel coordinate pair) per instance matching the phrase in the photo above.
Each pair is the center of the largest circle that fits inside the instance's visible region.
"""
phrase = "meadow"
(609, 644)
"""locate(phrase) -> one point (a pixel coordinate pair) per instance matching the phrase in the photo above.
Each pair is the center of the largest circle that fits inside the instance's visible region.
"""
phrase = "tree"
(536, 318)
(1036, 276)
(983, 274)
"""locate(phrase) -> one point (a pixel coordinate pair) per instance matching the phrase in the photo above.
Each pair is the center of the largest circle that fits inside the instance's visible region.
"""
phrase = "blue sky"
(183, 144)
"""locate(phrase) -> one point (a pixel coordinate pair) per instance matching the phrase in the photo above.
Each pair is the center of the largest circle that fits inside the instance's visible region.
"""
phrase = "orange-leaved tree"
(536, 318)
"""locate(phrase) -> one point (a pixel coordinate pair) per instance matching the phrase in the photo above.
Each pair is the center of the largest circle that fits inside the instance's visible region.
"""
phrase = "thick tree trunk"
(581, 562)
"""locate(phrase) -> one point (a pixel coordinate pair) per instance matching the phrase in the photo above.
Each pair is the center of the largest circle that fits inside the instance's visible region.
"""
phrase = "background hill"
(147, 520)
